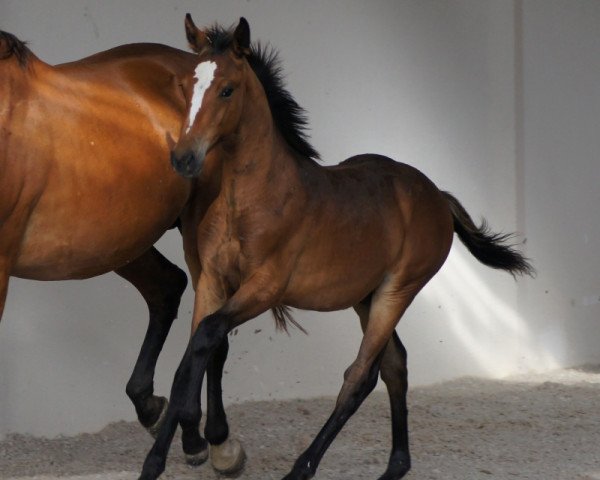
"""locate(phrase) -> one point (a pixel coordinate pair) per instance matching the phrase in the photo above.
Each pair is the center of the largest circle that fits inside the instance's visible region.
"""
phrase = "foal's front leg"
(184, 407)
(226, 454)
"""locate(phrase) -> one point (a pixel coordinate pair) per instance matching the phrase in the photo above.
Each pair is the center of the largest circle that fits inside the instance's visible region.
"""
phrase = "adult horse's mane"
(289, 117)
(11, 45)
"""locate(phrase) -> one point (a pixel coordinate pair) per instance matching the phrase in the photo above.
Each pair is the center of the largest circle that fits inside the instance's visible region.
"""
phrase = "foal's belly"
(332, 293)
(337, 279)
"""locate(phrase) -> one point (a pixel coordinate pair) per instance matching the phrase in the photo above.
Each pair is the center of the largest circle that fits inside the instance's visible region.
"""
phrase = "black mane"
(11, 45)
(289, 117)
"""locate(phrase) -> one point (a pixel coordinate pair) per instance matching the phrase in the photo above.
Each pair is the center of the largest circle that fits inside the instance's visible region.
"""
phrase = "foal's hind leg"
(395, 375)
(161, 284)
(388, 304)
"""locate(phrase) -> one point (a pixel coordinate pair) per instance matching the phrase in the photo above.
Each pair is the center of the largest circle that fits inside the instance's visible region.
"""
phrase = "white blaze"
(204, 75)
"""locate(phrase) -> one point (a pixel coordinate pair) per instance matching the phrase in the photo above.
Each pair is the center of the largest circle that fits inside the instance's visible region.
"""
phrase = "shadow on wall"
(484, 318)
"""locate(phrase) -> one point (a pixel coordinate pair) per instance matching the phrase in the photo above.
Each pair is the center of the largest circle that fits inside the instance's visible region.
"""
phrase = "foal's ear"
(241, 38)
(196, 38)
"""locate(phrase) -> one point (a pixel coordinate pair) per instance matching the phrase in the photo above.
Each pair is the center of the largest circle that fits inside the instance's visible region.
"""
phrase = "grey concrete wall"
(561, 175)
(495, 101)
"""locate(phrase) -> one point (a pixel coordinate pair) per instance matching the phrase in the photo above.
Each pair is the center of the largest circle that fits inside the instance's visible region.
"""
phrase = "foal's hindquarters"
(398, 232)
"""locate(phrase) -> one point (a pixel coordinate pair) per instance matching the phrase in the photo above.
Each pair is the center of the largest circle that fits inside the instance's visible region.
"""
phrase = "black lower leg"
(209, 349)
(161, 283)
(350, 398)
(184, 404)
(155, 461)
(216, 430)
(395, 376)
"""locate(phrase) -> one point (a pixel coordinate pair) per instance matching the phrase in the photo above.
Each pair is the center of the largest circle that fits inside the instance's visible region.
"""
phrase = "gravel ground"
(528, 427)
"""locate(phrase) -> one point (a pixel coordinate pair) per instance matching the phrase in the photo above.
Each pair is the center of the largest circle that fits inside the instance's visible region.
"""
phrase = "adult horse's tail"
(487, 247)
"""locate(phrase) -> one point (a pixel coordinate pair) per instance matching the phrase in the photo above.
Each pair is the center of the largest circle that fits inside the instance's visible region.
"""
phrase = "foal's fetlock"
(228, 457)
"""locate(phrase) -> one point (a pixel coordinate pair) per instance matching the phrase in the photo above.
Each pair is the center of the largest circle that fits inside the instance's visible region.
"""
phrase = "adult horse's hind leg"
(161, 284)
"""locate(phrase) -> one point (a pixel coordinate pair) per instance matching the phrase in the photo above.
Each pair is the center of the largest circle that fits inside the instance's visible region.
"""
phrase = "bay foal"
(285, 231)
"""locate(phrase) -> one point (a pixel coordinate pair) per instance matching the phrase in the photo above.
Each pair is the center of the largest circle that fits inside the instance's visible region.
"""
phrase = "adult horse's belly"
(97, 214)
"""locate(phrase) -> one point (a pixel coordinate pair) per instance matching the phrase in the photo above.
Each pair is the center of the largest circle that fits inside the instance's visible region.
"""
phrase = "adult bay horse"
(285, 231)
(86, 186)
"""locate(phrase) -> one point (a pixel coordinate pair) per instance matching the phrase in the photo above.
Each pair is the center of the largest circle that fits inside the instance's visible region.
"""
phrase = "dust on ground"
(544, 426)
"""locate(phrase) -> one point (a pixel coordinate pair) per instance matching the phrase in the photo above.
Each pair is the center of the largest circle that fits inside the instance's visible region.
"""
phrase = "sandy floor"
(529, 427)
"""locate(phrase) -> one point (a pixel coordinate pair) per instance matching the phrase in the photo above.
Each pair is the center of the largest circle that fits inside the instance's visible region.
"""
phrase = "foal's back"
(373, 217)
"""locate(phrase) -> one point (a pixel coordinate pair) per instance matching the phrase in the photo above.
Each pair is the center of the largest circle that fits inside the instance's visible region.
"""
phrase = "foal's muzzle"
(187, 165)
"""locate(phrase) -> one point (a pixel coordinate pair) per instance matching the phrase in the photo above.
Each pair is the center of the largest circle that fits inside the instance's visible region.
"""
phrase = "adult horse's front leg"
(3, 284)
(161, 284)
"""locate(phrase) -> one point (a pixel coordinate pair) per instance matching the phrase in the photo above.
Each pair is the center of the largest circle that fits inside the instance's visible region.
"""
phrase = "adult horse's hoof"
(154, 429)
(228, 457)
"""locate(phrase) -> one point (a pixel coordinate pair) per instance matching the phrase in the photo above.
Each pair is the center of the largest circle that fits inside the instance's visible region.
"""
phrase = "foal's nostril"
(186, 165)
(174, 160)
(190, 160)
(189, 164)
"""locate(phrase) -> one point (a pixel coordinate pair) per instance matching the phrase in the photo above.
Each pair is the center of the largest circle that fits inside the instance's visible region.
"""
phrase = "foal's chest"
(221, 260)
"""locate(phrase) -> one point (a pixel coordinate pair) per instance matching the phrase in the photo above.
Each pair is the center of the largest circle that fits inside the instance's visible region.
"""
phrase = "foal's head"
(214, 94)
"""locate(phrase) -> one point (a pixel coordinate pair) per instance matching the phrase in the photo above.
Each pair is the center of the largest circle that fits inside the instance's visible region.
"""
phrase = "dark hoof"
(197, 458)
(154, 429)
(397, 469)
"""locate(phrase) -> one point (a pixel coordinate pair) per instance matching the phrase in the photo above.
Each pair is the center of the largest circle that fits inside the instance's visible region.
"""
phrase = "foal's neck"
(260, 154)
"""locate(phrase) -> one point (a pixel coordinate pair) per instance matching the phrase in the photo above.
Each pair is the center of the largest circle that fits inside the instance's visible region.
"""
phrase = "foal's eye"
(226, 92)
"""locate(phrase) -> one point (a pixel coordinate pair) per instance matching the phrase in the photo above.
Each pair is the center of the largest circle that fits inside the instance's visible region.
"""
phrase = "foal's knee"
(210, 334)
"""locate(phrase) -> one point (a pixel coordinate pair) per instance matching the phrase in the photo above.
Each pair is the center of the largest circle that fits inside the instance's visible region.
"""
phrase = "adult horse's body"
(85, 183)
(283, 230)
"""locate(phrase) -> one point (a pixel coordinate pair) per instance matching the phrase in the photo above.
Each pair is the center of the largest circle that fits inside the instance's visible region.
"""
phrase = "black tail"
(487, 247)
